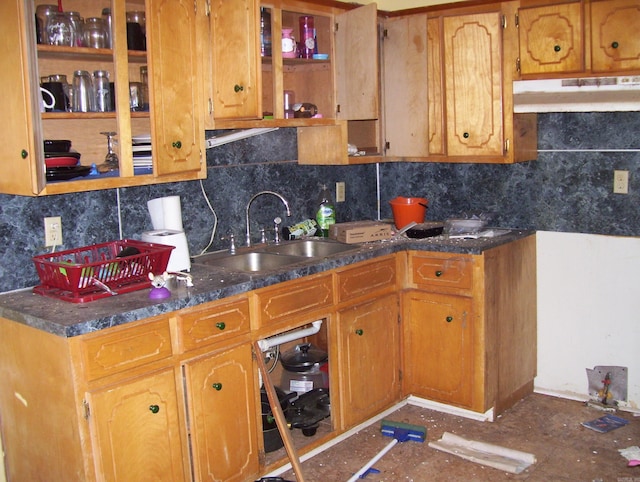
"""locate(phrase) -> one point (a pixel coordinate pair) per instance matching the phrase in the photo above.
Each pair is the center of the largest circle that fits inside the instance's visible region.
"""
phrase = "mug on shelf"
(43, 103)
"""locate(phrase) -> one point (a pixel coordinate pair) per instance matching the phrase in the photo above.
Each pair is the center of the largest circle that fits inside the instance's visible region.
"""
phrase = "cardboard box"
(360, 231)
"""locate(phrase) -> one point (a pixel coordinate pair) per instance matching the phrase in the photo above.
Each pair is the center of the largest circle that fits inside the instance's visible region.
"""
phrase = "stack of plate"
(142, 159)
(61, 161)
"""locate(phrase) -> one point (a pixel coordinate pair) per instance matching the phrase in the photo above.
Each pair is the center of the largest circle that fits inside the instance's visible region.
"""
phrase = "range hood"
(601, 94)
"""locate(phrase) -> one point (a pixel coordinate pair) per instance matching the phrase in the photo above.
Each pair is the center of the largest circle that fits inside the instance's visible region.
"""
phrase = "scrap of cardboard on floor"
(502, 458)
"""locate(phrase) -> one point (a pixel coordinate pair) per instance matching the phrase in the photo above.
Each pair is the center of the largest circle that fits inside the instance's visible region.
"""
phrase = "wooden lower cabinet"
(470, 326)
(136, 429)
(369, 344)
(439, 348)
(222, 408)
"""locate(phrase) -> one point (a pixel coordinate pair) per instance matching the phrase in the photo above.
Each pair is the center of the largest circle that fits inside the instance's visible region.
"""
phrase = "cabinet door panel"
(19, 173)
(356, 63)
(551, 39)
(175, 95)
(615, 43)
(369, 344)
(438, 357)
(223, 416)
(473, 66)
(234, 42)
(137, 430)
(405, 71)
(435, 95)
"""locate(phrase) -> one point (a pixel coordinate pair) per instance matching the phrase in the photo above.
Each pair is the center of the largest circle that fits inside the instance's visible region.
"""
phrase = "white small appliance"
(166, 219)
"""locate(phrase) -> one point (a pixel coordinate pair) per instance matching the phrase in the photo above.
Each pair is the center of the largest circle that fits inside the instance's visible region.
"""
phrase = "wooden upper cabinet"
(615, 43)
(235, 27)
(176, 98)
(551, 38)
(473, 80)
(357, 88)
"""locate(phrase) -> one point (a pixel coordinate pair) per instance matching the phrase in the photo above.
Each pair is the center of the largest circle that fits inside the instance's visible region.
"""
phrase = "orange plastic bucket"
(408, 209)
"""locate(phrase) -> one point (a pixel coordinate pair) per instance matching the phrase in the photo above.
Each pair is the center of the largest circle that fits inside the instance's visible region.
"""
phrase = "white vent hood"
(602, 94)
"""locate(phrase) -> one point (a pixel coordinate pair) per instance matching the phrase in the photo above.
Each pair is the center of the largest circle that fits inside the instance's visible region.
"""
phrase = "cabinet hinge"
(207, 8)
(385, 33)
(87, 410)
(504, 21)
(210, 101)
(335, 27)
(400, 375)
(387, 146)
(517, 21)
(518, 64)
(506, 146)
(338, 109)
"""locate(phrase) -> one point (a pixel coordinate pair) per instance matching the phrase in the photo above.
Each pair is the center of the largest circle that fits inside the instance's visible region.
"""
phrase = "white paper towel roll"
(166, 213)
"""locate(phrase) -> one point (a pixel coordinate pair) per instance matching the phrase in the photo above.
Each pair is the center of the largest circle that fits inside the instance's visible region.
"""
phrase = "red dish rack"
(74, 275)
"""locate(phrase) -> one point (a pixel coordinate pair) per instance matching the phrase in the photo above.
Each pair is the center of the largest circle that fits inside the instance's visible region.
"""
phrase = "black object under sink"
(309, 409)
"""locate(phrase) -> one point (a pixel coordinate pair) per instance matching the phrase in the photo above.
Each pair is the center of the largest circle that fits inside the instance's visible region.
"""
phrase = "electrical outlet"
(621, 182)
(340, 192)
(52, 231)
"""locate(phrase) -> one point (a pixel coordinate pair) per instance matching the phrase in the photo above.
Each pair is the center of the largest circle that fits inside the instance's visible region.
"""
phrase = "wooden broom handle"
(281, 422)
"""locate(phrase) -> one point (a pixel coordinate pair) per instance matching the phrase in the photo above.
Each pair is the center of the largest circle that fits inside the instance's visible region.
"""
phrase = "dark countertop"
(67, 319)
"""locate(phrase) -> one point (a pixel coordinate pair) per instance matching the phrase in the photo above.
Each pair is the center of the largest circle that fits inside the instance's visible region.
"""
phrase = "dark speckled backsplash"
(569, 189)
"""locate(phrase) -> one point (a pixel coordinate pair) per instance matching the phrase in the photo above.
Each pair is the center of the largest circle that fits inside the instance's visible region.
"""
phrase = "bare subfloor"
(544, 426)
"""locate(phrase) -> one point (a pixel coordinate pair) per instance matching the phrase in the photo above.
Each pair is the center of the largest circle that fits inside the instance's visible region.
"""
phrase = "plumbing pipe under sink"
(270, 342)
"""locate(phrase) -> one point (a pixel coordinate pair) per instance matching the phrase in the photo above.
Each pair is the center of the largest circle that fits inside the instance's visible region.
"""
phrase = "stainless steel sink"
(310, 248)
(252, 261)
(264, 258)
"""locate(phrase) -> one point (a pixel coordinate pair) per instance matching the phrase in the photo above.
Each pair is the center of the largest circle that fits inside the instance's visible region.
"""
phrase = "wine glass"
(111, 162)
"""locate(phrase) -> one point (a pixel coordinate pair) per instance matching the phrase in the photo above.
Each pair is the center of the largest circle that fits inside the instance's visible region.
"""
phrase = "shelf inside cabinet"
(56, 52)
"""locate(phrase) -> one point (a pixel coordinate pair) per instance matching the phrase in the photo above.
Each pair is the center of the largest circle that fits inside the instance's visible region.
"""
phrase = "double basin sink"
(264, 258)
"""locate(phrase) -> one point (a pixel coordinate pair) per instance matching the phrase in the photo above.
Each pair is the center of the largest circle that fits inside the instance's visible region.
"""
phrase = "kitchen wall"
(567, 190)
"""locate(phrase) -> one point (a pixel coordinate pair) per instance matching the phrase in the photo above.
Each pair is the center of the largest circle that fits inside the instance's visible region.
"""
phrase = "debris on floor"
(606, 424)
(632, 454)
(607, 387)
(502, 458)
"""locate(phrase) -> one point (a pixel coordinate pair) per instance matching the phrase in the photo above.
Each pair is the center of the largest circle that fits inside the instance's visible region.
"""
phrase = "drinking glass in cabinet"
(83, 95)
(43, 12)
(106, 18)
(59, 30)
(111, 162)
(77, 22)
(102, 90)
(94, 33)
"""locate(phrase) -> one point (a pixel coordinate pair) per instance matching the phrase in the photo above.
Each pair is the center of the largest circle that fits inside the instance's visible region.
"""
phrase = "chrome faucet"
(279, 196)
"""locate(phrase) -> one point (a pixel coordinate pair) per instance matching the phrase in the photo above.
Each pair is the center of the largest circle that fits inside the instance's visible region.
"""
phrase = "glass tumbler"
(108, 28)
(83, 94)
(94, 33)
(59, 30)
(77, 21)
(102, 90)
(307, 43)
(43, 12)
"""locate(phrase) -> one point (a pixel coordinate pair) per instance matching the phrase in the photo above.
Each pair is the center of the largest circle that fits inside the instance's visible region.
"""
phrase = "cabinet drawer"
(368, 278)
(215, 322)
(294, 298)
(443, 272)
(122, 349)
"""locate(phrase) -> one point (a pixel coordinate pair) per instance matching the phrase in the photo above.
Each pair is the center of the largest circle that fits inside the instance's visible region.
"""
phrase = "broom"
(401, 432)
